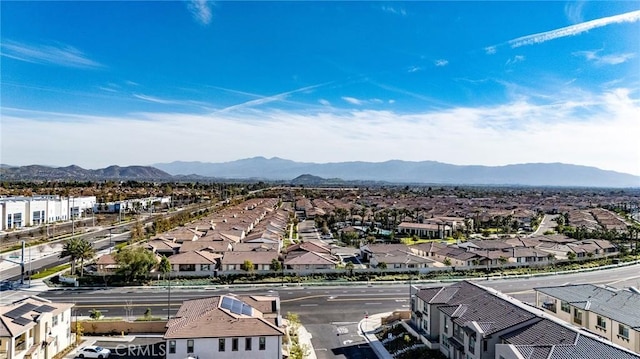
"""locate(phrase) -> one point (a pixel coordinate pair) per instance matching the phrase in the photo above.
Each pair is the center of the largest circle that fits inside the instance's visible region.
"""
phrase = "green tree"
(276, 265)
(349, 266)
(447, 261)
(95, 314)
(571, 255)
(137, 232)
(503, 260)
(247, 266)
(164, 266)
(134, 262)
(299, 351)
(382, 265)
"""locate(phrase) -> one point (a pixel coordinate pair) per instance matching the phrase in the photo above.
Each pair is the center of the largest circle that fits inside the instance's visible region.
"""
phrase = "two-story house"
(226, 326)
(468, 321)
(34, 328)
(611, 314)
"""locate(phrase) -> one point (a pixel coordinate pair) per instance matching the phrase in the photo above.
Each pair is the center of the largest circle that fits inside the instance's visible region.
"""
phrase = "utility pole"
(73, 217)
(169, 297)
(22, 265)
(110, 245)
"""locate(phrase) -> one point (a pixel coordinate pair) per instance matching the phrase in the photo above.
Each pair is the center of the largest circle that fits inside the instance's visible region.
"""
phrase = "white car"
(93, 351)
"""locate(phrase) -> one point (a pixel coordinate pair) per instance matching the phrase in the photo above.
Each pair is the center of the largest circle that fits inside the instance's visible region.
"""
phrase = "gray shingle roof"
(543, 332)
(484, 308)
(623, 306)
(584, 348)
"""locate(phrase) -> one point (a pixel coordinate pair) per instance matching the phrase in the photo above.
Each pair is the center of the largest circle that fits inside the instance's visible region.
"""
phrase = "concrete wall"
(96, 327)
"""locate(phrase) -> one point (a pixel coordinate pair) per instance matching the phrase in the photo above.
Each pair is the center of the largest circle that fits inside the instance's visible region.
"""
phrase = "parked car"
(93, 351)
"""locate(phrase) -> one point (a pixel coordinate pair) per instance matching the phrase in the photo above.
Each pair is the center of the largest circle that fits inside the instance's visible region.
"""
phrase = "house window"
(247, 343)
(445, 343)
(484, 345)
(172, 346)
(190, 346)
(577, 316)
(54, 320)
(446, 325)
(234, 344)
(221, 343)
(472, 343)
(623, 331)
(205, 267)
(187, 267)
(549, 305)
(565, 307)
(262, 343)
(601, 323)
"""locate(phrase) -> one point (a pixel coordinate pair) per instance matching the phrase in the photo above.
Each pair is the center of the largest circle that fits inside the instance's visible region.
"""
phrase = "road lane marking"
(308, 305)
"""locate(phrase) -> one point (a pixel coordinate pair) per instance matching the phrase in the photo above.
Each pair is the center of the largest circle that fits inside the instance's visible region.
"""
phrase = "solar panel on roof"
(20, 311)
(247, 310)
(21, 320)
(236, 306)
(44, 309)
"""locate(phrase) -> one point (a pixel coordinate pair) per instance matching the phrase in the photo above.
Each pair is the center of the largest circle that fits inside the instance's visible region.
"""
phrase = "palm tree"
(70, 249)
(85, 250)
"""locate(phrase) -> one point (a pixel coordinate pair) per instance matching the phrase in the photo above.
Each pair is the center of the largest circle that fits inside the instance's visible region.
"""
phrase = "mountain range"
(340, 173)
(397, 171)
(75, 173)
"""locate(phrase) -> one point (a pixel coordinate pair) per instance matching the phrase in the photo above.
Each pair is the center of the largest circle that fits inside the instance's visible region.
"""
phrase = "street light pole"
(110, 245)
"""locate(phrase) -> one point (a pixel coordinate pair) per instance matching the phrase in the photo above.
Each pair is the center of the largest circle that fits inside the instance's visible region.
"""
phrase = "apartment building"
(225, 327)
(34, 328)
(468, 321)
(606, 312)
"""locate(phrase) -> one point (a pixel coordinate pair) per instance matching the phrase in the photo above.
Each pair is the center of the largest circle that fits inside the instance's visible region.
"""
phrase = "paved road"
(546, 224)
(48, 257)
(325, 311)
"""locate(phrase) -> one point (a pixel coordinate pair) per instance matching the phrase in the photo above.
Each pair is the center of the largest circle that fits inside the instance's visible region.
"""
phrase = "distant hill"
(396, 171)
(75, 173)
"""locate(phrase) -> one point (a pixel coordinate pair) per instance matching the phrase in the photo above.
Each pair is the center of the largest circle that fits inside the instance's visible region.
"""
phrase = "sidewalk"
(304, 338)
(368, 327)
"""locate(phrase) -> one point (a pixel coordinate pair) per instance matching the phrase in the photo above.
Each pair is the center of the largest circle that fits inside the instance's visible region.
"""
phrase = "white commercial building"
(19, 212)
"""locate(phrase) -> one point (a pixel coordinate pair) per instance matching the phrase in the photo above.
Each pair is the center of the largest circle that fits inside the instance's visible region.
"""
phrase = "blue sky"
(491, 83)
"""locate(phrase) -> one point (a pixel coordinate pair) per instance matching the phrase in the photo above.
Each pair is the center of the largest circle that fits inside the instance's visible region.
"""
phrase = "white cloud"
(268, 99)
(360, 102)
(574, 29)
(515, 60)
(353, 100)
(324, 102)
(414, 69)
(59, 54)
(391, 102)
(393, 10)
(490, 50)
(573, 11)
(561, 130)
(441, 62)
(611, 59)
(200, 10)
